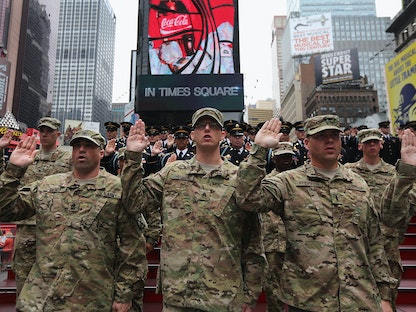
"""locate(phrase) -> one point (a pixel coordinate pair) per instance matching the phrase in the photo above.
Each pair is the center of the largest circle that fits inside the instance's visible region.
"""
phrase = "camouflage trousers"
(272, 273)
(396, 270)
(169, 308)
(24, 253)
(137, 301)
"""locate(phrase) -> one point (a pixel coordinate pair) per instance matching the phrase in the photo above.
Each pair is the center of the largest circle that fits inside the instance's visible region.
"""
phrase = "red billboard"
(192, 37)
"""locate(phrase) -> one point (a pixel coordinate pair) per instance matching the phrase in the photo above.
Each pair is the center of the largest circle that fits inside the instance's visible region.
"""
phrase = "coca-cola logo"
(169, 25)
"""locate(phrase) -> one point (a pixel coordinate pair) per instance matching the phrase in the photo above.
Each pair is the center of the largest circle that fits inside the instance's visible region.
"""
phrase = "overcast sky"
(255, 38)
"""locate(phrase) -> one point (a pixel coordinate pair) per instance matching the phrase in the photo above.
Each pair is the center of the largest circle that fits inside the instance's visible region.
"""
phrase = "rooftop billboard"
(336, 66)
(311, 34)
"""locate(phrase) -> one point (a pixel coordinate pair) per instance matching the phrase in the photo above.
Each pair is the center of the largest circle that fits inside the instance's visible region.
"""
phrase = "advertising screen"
(401, 86)
(336, 66)
(311, 34)
(192, 37)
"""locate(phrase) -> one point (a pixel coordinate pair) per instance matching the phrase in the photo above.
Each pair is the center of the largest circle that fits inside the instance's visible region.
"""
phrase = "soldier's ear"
(192, 135)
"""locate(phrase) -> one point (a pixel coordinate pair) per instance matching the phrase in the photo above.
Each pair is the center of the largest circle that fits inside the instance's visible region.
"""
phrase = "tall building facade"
(29, 35)
(360, 29)
(85, 61)
(336, 7)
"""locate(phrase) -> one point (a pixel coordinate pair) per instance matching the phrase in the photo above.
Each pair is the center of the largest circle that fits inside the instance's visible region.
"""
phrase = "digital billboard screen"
(192, 37)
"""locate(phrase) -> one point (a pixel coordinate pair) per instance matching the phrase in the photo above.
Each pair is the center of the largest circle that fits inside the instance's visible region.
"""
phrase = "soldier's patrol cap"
(384, 124)
(283, 148)
(49, 122)
(111, 126)
(153, 130)
(369, 134)
(298, 125)
(208, 112)
(320, 123)
(89, 135)
(181, 132)
(236, 129)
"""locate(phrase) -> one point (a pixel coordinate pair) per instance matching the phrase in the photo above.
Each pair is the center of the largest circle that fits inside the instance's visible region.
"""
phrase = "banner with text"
(190, 92)
(401, 86)
(192, 36)
(311, 34)
(336, 66)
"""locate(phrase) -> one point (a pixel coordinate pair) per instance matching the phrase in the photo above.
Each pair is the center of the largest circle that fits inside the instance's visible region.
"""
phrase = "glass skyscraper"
(336, 7)
(85, 60)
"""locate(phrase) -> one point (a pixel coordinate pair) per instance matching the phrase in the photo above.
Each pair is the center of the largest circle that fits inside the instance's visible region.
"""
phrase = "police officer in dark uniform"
(152, 154)
(237, 151)
(390, 152)
(301, 153)
(111, 131)
(181, 145)
(226, 142)
(125, 129)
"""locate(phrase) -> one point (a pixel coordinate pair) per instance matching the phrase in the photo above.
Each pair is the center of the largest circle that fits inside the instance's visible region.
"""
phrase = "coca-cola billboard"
(192, 37)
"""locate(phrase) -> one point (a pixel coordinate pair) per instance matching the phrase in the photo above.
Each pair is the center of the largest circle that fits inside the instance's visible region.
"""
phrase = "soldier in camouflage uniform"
(4, 142)
(335, 260)
(211, 252)
(89, 251)
(49, 159)
(399, 198)
(274, 234)
(377, 173)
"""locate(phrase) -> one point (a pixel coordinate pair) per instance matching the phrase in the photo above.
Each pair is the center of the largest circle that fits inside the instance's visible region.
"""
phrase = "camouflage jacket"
(211, 252)
(334, 258)
(59, 161)
(377, 180)
(399, 199)
(89, 250)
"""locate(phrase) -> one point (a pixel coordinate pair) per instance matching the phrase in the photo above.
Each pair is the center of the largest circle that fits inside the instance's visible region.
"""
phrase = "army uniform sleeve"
(154, 228)
(15, 204)
(132, 257)
(399, 198)
(253, 192)
(253, 260)
(2, 162)
(138, 193)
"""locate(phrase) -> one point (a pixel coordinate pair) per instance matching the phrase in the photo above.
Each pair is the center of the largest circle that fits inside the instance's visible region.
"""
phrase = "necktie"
(180, 155)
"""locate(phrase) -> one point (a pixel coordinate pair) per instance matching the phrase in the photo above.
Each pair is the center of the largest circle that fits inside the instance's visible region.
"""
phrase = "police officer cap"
(384, 124)
(298, 125)
(320, 123)
(236, 129)
(111, 126)
(89, 135)
(165, 129)
(369, 134)
(283, 148)
(411, 125)
(208, 112)
(181, 132)
(49, 122)
(362, 127)
(286, 127)
(152, 130)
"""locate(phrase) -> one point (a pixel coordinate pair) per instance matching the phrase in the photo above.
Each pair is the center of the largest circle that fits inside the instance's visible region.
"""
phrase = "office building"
(28, 41)
(85, 60)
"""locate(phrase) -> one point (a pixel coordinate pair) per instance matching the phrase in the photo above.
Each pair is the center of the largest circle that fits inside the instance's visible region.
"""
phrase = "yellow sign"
(16, 133)
(401, 86)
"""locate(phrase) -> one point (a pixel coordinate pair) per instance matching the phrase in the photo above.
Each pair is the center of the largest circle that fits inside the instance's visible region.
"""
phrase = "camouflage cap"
(320, 123)
(209, 112)
(369, 134)
(283, 148)
(89, 135)
(49, 122)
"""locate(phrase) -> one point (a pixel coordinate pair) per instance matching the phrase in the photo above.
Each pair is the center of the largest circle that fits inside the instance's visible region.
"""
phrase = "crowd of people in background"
(288, 208)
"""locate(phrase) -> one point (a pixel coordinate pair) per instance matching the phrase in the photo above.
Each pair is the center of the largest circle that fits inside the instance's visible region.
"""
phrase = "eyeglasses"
(212, 124)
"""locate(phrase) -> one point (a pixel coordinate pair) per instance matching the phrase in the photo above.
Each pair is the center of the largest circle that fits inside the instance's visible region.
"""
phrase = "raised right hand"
(408, 149)
(6, 138)
(137, 140)
(24, 153)
(269, 135)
